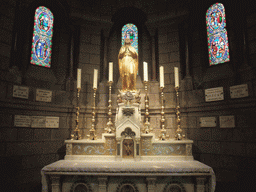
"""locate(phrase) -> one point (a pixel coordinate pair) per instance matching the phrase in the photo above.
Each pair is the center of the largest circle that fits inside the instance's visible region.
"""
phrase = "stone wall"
(25, 150)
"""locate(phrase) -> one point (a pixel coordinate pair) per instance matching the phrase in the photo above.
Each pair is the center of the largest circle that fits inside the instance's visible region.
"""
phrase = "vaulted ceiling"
(105, 9)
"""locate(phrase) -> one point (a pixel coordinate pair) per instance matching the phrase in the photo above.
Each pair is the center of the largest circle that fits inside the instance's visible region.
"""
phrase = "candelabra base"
(163, 136)
(92, 135)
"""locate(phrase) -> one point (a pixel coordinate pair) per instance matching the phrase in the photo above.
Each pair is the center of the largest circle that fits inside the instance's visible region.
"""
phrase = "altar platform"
(142, 176)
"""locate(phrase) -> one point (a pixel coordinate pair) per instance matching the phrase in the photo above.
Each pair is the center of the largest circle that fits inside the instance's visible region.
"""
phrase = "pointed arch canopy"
(218, 46)
(42, 37)
(130, 31)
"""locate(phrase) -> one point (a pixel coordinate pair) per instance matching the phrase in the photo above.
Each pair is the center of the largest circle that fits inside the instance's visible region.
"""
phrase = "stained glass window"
(130, 30)
(42, 37)
(218, 46)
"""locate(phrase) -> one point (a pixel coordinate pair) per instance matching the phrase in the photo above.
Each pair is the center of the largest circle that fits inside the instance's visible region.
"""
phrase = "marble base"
(142, 176)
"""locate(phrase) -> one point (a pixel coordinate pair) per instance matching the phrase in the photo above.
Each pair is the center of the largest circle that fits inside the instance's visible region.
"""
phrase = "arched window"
(218, 46)
(131, 31)
(42, 37)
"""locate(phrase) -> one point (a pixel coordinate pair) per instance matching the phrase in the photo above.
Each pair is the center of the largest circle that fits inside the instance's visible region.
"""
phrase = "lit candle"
(176, 75)
(162, 76)
(78, 78)
(95, 78)
(145, 67)
(110, 74)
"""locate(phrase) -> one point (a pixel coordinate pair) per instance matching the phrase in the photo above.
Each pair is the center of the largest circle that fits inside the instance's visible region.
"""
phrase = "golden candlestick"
(92, 135)
(77, 134)
(162, 135)
(147, 128)
(110, 128)
(179, 131)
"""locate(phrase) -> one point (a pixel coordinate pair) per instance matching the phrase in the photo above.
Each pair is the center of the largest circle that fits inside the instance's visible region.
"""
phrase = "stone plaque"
(43, 95)
(214, 94)
(239, 91)
(227, 121)
(52, 122)
(22, 121)
(38, 121)
(20, 92)
(207, 122)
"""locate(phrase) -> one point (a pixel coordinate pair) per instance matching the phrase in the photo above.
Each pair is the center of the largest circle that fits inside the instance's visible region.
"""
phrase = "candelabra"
(92, 135)
(110, 127)
(162, 135)
(178, 134)
(77, 134)
(147, 128)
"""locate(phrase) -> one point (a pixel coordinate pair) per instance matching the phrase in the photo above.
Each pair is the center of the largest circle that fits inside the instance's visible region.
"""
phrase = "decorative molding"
(127, 186)
(189, 149)
(55, 183)
(128, 133)
(128, 111)
(200, 184)
(151, 184)
(81, 184)
(69, 149)
(102, 184)
(174, 186)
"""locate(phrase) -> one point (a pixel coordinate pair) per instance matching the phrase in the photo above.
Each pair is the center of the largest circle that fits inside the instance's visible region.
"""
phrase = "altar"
(129, 156)
(163, 166)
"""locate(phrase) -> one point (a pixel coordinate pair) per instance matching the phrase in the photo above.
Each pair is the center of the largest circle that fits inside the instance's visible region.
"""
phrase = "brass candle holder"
(92, 135)
(77, 134)
(147, 128)
(110, 128)
(178, 135)
(163, 135)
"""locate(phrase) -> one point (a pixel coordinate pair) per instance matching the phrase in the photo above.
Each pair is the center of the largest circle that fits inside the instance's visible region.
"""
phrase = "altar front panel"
(142, 176)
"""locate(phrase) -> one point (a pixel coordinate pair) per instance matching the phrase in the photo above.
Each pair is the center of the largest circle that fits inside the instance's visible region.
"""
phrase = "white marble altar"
(128, 159)
(151, 175)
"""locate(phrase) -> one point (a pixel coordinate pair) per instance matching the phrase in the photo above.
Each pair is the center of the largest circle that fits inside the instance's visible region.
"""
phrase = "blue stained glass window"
(42, 37)
(131, 31)
(218, 46)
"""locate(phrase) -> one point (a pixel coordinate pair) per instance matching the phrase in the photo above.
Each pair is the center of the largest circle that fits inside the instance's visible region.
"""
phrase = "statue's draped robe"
(128, 67)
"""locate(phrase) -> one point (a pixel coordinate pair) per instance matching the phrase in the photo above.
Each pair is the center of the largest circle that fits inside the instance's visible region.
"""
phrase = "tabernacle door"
(128, 148)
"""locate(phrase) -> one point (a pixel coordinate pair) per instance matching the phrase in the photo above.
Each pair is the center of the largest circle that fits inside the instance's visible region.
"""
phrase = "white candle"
(176, 75)
(162, 76)
(95, 79)
(145, 67)
(110, 74)
(78, 78)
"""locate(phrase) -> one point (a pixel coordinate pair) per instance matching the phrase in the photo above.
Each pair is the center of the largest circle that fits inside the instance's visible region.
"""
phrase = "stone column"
(187, 77)
(102, 184)
(152, 31)
(153, 75)
(245, 70)
(186, 83)
(136, 149)
(118, 147)
(15, 75)
(151, 184)
(103, 85)
(55, 183)
(105, 60)
(200, 187)
(70, 79)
